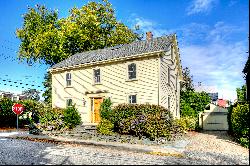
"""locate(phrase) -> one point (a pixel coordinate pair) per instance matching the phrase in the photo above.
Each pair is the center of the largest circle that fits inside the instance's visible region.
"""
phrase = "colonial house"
(141, 72)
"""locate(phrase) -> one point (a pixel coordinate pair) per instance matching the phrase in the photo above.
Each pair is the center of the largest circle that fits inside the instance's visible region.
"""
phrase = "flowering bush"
(152, 121)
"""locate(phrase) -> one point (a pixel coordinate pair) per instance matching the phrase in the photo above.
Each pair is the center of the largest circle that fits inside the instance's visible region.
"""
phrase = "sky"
(213, 38)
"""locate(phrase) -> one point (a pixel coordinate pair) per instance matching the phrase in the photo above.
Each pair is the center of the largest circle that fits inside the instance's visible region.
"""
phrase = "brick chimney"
(149, 36)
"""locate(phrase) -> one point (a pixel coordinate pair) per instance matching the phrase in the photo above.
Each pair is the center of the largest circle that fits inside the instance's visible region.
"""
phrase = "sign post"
(17, 109)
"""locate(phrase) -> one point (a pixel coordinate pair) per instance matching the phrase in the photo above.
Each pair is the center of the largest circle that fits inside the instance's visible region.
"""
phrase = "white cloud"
(148, 25)
(216, 64)
(200, 6)
(209, 51)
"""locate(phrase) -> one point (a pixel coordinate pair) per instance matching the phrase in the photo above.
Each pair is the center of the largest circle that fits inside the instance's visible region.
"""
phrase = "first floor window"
(132, 99)
(69, 102)
(68, 79)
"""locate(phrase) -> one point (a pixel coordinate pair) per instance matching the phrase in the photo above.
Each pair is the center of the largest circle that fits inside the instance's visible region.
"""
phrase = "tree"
(191, 102)
(48, 88)
(32, 94)
(241, 93)
(187, 83)
(47, 39)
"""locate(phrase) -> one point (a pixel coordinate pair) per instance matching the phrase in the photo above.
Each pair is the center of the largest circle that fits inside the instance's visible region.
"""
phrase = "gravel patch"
(216, 147)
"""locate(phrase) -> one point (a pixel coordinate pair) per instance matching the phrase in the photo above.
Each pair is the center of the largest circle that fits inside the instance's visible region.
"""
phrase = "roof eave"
(154, 53)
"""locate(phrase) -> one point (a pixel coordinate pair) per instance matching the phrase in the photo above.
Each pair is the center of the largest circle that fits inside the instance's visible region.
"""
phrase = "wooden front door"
(96, 117)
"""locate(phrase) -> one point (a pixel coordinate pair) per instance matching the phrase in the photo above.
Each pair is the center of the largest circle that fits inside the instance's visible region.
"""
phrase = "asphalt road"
(205, 149)
(24, 152)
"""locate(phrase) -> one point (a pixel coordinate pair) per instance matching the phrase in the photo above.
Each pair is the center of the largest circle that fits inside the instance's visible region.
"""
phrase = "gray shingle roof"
(139, 47)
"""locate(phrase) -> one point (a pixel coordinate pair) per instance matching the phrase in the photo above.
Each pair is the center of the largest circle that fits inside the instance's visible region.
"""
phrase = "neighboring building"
(213, 96)
(141, 72)
(9, 95)
(12, 96)
(222, 103)
(210, 90)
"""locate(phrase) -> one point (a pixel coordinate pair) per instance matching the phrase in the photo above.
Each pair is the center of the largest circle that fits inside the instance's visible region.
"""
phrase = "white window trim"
(96, 83)
(67, 102)
(67, 79)
(128, 99)
(136, 72)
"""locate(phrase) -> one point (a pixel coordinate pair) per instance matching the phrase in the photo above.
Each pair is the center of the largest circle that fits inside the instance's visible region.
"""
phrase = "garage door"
(214, 121)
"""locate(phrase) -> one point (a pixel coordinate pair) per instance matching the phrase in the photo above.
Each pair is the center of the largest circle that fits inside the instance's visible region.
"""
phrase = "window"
(132, 99)
(97, 76)
(68, 79)
(132, 71)
(168, 75)
(69, 102)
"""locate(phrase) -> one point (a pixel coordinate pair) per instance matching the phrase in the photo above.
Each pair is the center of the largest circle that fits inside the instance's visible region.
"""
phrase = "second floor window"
(132, 71)
(97, 76)
(68, 79)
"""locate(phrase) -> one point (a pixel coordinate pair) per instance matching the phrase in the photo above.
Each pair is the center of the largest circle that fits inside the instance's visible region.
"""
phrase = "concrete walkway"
(174, 149)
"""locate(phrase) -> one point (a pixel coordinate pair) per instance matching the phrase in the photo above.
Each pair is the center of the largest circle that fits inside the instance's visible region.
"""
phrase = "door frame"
(92, 114)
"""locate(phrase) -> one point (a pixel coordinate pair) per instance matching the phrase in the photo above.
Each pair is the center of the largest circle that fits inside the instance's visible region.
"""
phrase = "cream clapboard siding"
(113, 80)
(169, 91)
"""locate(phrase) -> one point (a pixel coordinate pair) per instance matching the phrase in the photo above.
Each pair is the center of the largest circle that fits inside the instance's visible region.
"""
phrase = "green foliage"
(48, 88)
(105, 127)
(240, 123)
(192, 103)
(30, 113)
(7, 116)
(46, 38)
(105, 109)
(242, 93)
(187, 83)
(71, 117)
(152, 121)
(51, 119)
(187, 123)
(32, 94)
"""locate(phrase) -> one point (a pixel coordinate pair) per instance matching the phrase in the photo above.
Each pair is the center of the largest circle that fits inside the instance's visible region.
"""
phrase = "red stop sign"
(17, 108)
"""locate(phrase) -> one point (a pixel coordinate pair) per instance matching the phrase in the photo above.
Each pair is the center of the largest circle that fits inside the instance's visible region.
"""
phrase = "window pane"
(97, 75)
(69, 102)
(132, 71)
(132, 99)
(68, 82)
(68, 79)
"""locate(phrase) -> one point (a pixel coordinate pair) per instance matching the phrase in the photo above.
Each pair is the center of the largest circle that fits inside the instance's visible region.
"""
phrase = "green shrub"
(187, 123)
(152, 121)
(71, 117)
(105, 127)
(240, 123)
(105, 109)
(7, 116)
(192, 103)
(51, 118)
(30, 113)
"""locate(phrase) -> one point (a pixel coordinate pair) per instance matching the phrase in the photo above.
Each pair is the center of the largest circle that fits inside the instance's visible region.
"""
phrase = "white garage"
(214, 118)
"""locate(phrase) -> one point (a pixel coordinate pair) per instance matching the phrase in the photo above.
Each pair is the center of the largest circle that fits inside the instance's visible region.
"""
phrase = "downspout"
(159, 77)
